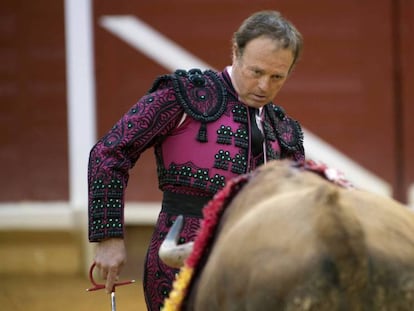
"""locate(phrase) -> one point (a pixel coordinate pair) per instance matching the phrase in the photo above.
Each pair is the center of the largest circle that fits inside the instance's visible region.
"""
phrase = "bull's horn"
(171, 254)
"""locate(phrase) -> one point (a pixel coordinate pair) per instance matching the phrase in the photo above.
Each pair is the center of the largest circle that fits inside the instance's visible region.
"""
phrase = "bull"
(292, 240)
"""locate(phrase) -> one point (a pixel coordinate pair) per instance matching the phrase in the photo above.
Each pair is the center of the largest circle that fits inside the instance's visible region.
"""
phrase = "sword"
(97, 286)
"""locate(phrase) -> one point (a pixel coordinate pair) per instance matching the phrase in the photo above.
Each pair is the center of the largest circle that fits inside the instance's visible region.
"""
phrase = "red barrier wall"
(352, 87)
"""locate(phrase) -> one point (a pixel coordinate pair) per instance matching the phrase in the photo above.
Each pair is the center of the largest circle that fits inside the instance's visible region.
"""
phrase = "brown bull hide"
(291, 240)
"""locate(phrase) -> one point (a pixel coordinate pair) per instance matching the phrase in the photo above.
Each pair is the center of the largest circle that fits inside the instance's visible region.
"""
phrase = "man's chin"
(254, 102)
(258, 103)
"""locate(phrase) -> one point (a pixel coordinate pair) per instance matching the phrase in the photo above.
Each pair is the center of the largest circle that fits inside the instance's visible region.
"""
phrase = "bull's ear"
(170, 253)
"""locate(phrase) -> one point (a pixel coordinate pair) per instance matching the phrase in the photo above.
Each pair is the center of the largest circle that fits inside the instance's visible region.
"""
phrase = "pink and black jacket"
(202, 137)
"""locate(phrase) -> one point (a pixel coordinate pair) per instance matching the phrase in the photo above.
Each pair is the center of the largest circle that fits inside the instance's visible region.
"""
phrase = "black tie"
(256, 134)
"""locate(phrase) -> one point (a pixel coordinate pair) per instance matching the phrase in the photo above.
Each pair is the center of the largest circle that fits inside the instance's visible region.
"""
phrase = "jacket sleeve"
(110, 160)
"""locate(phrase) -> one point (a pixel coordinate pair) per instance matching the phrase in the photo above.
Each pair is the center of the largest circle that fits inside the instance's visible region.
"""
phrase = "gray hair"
(272, 25)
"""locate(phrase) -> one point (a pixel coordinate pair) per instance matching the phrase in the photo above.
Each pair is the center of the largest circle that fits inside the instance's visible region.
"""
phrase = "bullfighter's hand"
(109, 259)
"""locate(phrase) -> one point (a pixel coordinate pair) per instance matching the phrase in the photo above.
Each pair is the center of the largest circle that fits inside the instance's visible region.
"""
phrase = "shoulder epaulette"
(288, 130)
(202, 95)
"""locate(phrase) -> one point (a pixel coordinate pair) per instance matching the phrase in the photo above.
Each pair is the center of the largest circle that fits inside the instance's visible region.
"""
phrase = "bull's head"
(170, 252)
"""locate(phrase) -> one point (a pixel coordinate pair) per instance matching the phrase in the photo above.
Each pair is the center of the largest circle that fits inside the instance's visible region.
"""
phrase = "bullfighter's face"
(259, 72)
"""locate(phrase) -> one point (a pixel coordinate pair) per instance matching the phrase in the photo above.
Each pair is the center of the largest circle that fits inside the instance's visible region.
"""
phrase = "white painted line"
(80, 96)
(151, 42)
(142, 213)
(317, 149)
(61, 216)
(36, 216)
